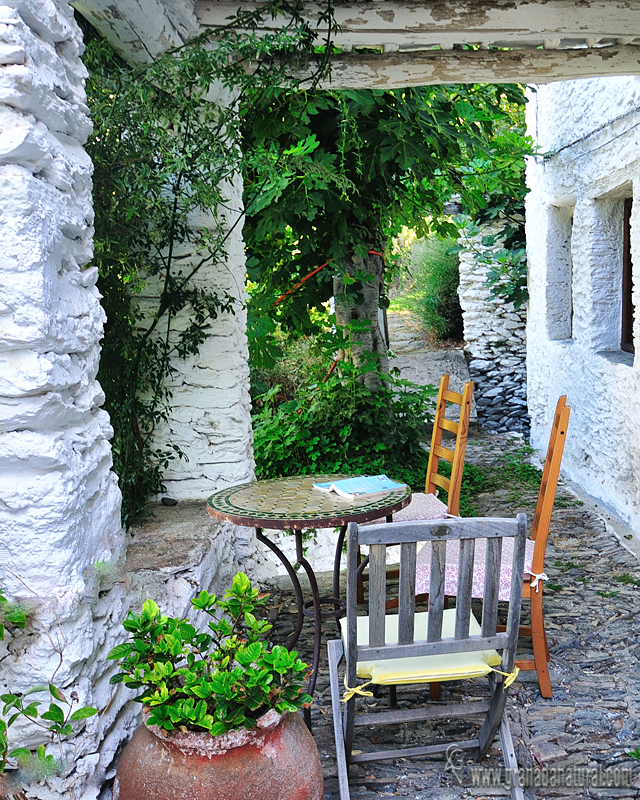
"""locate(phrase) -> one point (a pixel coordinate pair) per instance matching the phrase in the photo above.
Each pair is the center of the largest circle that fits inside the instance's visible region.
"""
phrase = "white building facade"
(583, 234)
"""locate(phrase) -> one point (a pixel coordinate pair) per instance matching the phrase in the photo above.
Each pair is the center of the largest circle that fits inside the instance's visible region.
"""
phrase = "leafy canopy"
(370, 162)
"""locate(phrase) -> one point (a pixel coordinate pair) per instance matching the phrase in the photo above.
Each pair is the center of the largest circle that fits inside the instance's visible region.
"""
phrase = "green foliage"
(375, 161)
(162, 153)
(12, 614)
(216, 681)
(566, 566)
(342, 426)
(626, 579)
(431, 290)
(298, 363)
(56, 720)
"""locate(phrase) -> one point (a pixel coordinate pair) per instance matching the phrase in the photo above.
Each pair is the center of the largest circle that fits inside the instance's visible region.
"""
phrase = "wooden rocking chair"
(438, 645)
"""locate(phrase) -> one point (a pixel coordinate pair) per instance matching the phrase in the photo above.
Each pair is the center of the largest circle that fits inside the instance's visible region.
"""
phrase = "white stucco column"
(210, 417)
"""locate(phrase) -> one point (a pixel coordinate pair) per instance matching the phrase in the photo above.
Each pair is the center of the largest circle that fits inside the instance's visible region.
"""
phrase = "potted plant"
(220, 706)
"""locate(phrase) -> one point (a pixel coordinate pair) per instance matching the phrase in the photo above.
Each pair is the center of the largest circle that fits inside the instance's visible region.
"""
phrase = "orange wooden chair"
(427, 505)
(532, 588)
(533, 583)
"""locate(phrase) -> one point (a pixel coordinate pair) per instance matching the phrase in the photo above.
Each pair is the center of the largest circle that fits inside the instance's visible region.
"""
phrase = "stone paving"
(592, 618)
(421, 359)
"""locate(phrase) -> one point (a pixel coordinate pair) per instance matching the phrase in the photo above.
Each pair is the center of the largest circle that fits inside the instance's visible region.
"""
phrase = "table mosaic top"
(294, 503)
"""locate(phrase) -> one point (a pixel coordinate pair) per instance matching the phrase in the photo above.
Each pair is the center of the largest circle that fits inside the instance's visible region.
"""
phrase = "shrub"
(432, 291)
(216, 681)
(342, 426)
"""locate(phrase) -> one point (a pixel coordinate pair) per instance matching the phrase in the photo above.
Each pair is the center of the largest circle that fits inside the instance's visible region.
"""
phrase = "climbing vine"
(164, 147)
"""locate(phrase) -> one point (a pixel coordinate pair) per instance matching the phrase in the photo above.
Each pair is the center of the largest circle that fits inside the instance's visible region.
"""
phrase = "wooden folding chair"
(532, 588)
(438, 645)
(427, 506)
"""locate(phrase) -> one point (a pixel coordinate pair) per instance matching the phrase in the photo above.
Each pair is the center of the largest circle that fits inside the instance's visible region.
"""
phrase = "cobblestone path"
(592, 624)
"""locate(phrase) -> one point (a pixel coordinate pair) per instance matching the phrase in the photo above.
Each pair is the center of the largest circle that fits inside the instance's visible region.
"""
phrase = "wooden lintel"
(141, 29)
(447, 23)
(397, 70)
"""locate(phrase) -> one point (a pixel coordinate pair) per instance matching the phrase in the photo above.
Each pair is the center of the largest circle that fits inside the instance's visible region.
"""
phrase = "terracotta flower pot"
(278, 760)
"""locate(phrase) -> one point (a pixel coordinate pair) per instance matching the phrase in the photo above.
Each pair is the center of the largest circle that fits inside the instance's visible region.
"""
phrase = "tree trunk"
(359, 303)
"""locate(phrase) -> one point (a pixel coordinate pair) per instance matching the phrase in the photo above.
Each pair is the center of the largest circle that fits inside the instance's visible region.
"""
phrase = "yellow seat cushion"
(423, 669)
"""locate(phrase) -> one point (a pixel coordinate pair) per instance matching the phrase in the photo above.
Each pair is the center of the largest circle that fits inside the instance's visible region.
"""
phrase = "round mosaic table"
(293, 503)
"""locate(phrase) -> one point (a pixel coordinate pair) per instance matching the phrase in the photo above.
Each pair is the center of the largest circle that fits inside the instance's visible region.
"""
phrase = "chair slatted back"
(438, 451)
(438, 532)
(549, 483)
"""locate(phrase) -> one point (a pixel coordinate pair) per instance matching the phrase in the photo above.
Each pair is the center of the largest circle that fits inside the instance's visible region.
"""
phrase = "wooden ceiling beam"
(397, 70)
(449, 23)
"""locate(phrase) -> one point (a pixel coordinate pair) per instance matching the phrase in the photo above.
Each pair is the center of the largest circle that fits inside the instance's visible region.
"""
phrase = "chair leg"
(336, 651)
(540, 649)
(510, 759)
(492, 721)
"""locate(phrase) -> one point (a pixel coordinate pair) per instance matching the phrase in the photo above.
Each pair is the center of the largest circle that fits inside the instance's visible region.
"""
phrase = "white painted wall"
(211, 406)
(590, 131)
(59, 501)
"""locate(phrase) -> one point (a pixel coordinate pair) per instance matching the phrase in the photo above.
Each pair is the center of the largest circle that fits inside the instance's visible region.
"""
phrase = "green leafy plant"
(11, 613)
(342, 425)
(57, 720)
(216, 681)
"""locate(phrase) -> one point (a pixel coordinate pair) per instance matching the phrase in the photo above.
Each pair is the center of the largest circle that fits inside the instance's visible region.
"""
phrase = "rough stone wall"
(61, 543)
(495, 335)
(59, 501)
(591, 132)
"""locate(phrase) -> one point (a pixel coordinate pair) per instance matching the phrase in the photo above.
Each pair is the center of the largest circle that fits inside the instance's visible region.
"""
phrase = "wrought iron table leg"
(317, 619)
(336, 564)
(293, 638)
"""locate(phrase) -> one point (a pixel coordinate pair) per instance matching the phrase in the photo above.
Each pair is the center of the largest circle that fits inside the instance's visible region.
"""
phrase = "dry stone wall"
(495, 335)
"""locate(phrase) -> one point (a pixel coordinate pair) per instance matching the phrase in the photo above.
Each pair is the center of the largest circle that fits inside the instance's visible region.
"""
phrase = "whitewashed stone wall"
(211, 406)
(59, 501)
(61, 543)
(591, 132)
(495, 336)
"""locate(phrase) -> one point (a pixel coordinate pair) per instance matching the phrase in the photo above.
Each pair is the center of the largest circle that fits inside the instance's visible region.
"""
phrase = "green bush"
(432, 289)
(300, 361)
(342, 426)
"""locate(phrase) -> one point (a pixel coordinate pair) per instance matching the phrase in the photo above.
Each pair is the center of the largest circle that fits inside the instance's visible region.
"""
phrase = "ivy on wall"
(162, 152)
